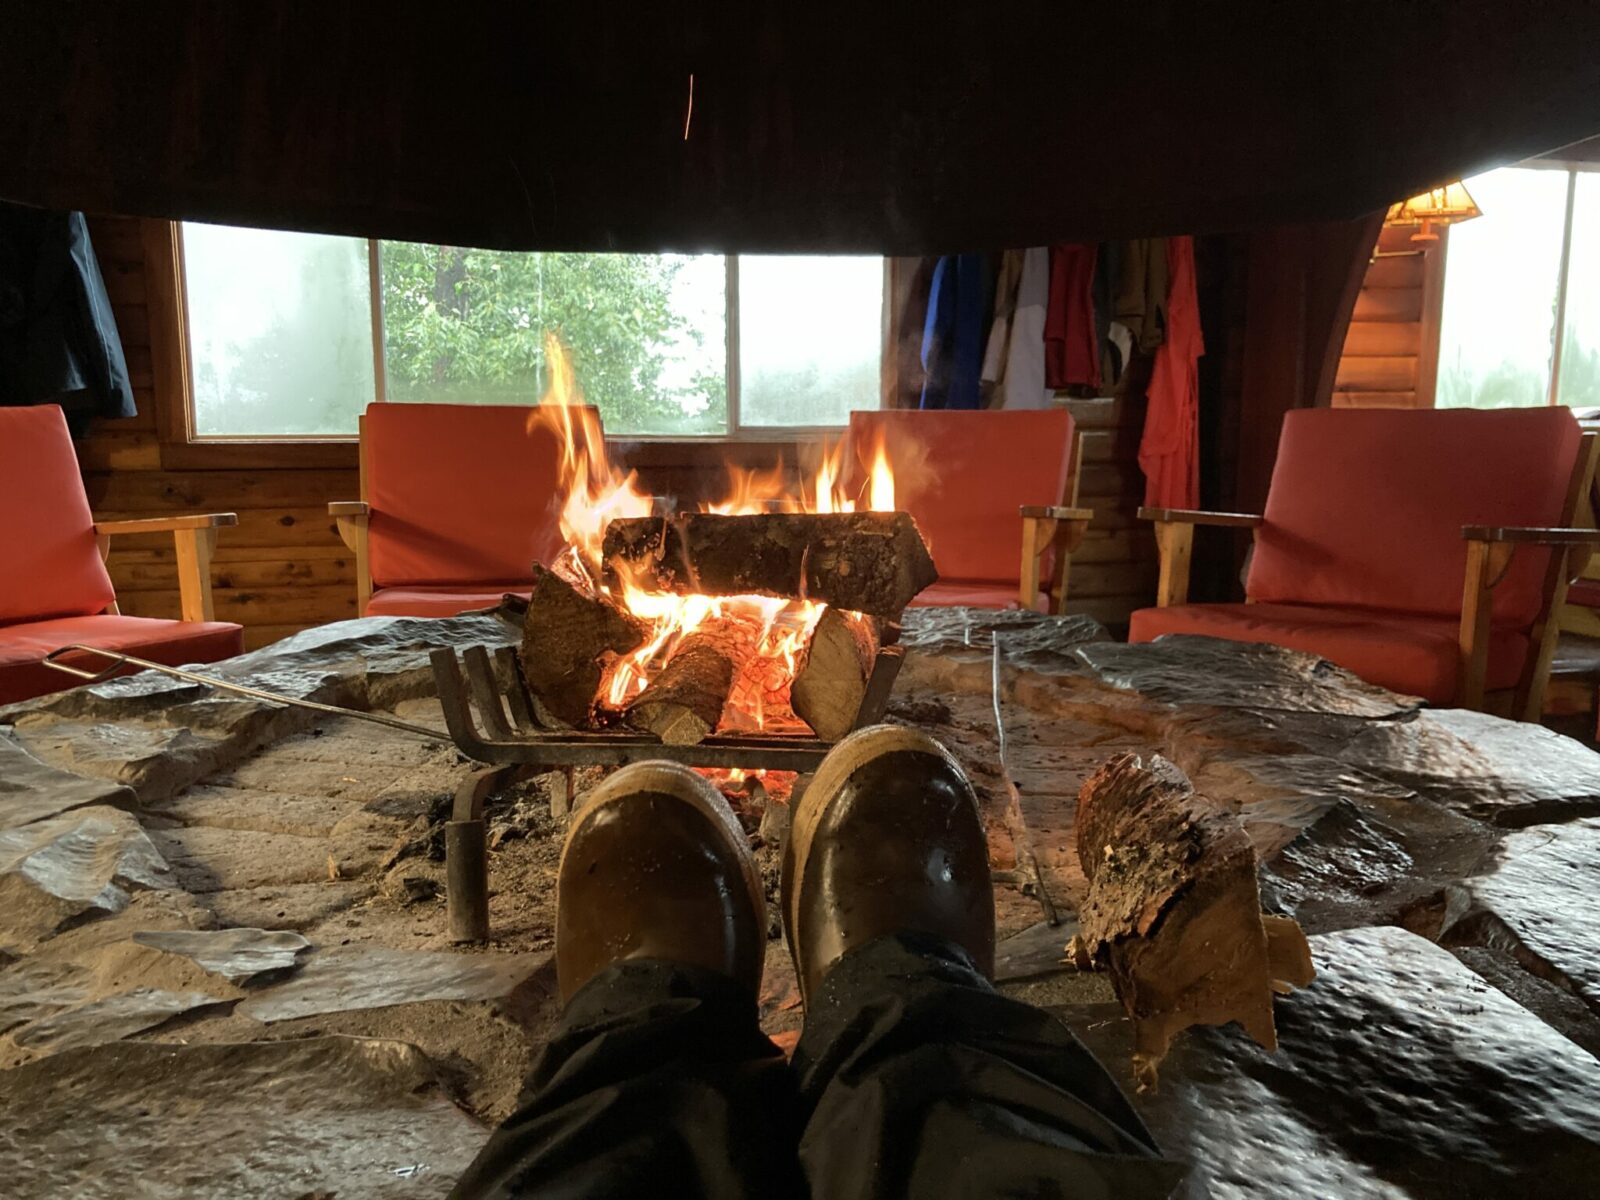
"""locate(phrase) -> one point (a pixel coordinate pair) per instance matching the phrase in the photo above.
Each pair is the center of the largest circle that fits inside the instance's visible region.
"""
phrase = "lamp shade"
(1438, 206)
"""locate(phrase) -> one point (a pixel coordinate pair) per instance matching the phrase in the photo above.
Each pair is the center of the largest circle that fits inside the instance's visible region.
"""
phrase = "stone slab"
(1537, 900)
(235, 954)
(340, 978)
(31, 790)
(354, 1118)
(1203, 672)
(106, 1019)
(1399, 1073)
(81, 862)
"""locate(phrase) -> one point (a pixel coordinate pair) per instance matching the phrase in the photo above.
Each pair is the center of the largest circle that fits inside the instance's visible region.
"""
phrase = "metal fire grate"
(491, 719)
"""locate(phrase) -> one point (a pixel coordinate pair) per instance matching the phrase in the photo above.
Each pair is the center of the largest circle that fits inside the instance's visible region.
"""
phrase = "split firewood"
(1173, 910)
(830, 680)
(683, 704)
(865, 562)
(568, 641)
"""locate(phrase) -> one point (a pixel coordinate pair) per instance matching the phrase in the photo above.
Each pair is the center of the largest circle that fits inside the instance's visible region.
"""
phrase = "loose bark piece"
(830, 680)
(568, 639)
(865, 562)
(683, 704)
(1174, 912)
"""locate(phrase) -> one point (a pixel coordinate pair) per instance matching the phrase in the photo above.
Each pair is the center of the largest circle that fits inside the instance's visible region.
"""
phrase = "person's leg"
(916, 1077)
(658, 1080)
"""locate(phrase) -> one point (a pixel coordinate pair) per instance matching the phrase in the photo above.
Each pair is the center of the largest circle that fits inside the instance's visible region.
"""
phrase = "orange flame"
(598, 493)
(881, 493)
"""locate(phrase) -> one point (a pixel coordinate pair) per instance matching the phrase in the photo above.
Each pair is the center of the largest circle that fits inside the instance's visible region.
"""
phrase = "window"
(1521, 320)
(293, 334)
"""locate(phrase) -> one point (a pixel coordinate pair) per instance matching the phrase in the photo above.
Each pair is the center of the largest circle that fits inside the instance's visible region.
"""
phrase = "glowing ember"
(598, 493)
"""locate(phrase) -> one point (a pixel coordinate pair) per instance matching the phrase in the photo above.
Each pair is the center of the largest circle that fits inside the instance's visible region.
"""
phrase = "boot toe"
(887, 839)
(656, 866)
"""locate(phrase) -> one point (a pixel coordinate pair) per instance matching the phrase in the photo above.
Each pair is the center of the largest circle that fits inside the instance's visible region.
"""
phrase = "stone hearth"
(223, 939)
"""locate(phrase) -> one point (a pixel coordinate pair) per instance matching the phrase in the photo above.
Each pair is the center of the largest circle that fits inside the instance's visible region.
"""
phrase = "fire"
(881, 496)
(597, 492)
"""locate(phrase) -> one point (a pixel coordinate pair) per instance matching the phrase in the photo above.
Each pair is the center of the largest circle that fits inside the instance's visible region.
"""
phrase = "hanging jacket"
(1071, 340)
(954, 333)
(1169, 449)
(58, 337)
(1142, 288)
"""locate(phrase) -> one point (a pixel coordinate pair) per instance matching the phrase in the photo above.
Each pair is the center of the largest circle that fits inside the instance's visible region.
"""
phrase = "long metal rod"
(127, 660)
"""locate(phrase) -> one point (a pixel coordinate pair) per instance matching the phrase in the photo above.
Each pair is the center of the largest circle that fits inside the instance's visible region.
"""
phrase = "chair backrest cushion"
(963, 474)
(49, 563)
(460, 493)
(1366, 506)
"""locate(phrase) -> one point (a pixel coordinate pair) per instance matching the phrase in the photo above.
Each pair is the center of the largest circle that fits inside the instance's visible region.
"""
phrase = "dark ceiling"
(871, 127)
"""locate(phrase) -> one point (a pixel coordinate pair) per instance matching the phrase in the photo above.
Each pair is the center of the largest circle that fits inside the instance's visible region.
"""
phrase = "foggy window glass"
(810, 338)
(280, 331)
(646, 333)
(1498, 329)
(1579, 384)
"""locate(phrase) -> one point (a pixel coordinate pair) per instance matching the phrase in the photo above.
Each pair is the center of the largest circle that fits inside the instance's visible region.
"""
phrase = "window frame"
(1571, 168)
(184, 447)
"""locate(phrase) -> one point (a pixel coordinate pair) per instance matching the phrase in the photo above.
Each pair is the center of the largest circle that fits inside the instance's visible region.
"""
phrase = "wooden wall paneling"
(1390, 352)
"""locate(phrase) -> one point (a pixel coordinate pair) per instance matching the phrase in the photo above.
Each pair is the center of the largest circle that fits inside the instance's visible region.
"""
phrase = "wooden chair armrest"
(166, 524)
(1189, 516)
(350, 518)
(1045, 526)
(1055, 512)
(1531, 535)
(194, 538)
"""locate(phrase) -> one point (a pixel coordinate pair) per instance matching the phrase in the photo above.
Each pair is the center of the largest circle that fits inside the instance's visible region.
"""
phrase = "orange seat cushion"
(49, 564)
(23, 674)
(1404, 652)
(970, 593)
(440, 601)
(1366, 506)
(1585, 593)
(963, 475)
(460, 493)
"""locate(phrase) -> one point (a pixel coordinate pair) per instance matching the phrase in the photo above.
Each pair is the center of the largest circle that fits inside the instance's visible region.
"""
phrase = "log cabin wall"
(1390, 353)
(284, 568)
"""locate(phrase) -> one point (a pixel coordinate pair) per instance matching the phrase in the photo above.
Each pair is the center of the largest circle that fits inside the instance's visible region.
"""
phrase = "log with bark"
(1173, 910)
(568, 641)
(830, 679)
(866, 562)
(683, 704)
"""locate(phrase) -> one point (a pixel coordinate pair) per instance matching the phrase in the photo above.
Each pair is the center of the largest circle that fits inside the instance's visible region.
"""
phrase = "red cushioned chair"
(458, 502)
(54, 590)
(1424, 550)
(994, 494)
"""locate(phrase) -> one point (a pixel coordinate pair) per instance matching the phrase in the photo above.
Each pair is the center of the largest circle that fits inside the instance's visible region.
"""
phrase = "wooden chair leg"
(1175, 543)
(1486, 565)
(1528, 704)
(353, 533)
(1035, 537)
(194, 547)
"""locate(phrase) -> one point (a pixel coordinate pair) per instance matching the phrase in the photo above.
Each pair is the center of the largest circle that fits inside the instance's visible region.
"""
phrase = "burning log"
(683, 704)
(869, 562)
(1173, 910)
(830, 679)
(567, 639)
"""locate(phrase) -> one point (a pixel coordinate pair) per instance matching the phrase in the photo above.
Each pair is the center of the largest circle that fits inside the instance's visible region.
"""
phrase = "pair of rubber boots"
(886, 839)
